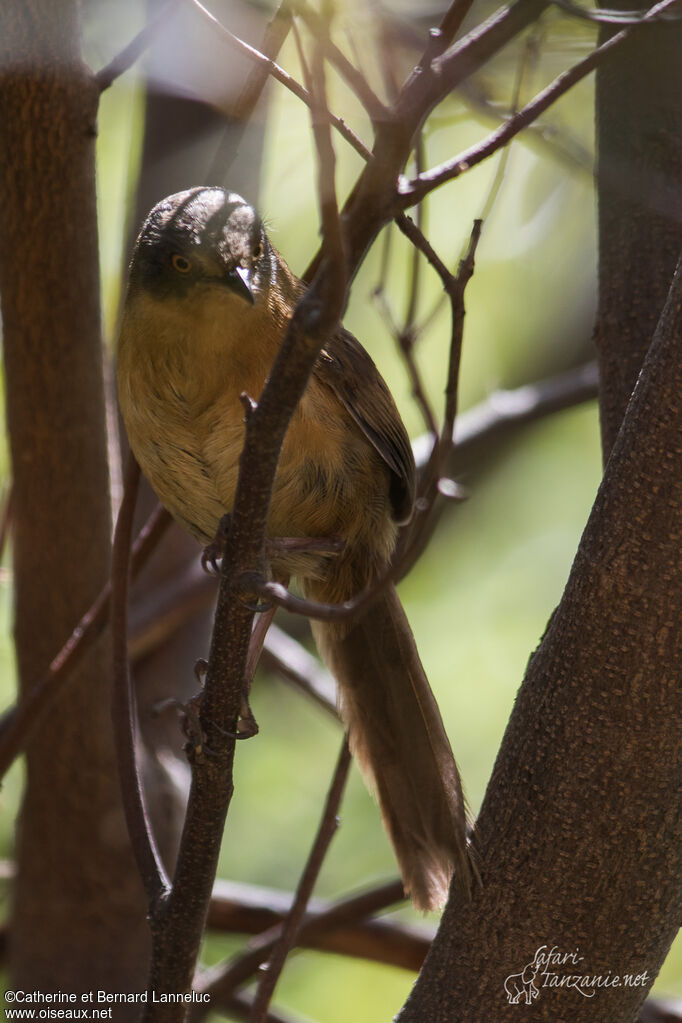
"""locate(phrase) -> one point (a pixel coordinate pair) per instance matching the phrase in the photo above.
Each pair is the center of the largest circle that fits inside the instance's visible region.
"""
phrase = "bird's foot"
(279, 545)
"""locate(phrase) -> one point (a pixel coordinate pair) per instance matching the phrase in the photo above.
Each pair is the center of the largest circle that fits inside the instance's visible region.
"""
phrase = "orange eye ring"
(180, 263)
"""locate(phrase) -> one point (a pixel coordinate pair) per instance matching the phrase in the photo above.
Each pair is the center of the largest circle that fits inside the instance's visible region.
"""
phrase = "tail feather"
(397, 735)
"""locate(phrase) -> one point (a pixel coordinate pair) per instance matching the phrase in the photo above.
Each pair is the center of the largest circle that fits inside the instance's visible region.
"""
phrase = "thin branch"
(530, 50)
(332, 234)
(346, 611)
(335, 287)
(434, 80)
(5, 517)
(238, 908)
(289, 931)
(415, 269)
(452, 22)
(287, 657)
(544, 137)
(612, 16)
(414, 538)
(18, 723)
(241, 1006)
(124, 60)
(349, 610)
(274, 38)
(483, 427)
(658, 1010)
(280, 75)
(374, 199)
(177, 932)
(150, 866)
(406, 336)
(223, 979)
(355, 79)
(413, 191)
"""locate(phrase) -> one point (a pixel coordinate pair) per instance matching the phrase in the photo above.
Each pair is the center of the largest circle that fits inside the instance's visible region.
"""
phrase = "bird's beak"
(238, 280)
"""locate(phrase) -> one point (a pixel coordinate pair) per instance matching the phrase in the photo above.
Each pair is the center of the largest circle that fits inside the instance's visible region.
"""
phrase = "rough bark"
(580, 834)
(78, 918)
(639, 181)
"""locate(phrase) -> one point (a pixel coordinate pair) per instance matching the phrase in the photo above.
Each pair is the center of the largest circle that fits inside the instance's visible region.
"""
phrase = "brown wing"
(345, 367)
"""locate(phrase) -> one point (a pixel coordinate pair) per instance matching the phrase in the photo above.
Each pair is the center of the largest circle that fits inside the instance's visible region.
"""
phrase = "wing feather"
(345, 367)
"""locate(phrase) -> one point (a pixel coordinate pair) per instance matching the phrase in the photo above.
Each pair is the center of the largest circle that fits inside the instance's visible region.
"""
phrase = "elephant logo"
(520, 986)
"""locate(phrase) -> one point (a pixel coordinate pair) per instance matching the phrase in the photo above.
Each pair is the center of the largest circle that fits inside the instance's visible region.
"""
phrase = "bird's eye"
(258, 251)
(182, 265)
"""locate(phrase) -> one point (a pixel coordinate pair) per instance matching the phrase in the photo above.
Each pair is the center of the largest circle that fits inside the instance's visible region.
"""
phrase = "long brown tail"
(397, 734)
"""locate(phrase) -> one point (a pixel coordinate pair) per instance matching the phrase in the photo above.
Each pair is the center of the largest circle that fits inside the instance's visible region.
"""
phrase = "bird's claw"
(213, 552)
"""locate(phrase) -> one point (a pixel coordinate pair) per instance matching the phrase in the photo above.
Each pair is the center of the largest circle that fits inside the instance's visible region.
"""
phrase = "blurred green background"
(481, 595)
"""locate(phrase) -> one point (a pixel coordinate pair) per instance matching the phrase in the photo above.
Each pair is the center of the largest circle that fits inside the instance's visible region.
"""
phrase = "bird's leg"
(279, 545)
(248, 725)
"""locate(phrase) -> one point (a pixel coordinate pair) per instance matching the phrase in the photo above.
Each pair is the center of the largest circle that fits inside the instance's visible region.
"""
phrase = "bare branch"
(657, 1010)
(290, 659)
(413, 539)
(18, 723)
(333, 243)
(240, 1007)
(291, 926)
(493, 422)
(5, 517)
(412, 191)
(275, 35)
(530, 53)
(452, 22)
(488, 424)
(249, 909)
(544, 137)
(606, 16)
(223, 980)
(152, 872)
(124, 60)
(281, 76)
(354, 78)
(177, 932)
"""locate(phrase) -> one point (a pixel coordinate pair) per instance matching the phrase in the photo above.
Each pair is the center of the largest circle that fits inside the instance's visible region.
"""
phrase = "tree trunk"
(639, 181)
(580, 834)
(78, 920)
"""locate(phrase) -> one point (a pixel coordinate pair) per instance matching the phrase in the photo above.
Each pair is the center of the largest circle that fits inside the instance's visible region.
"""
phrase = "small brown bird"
(208, 304)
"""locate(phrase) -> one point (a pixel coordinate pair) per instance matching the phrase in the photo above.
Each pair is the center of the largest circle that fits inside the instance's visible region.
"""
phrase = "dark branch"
(18, 723)
(152, 873)
(222, 980)
(414, 191)
(290, 659)
(273, 40)
(294, 918)
(606, 16)
(247, 909)
(281, 76)
(124, 60)
(353, 78)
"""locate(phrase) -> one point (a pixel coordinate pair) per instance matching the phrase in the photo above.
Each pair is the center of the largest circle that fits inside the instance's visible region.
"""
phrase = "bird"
(207, 306)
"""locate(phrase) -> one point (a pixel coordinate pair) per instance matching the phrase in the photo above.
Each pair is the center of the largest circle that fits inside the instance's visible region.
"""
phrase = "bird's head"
(203, 241)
